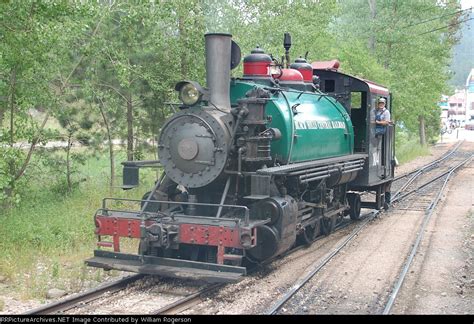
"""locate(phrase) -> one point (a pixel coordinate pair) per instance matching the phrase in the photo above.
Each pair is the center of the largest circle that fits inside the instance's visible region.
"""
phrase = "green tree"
(412, 40)
(138, 58)
(35, 71)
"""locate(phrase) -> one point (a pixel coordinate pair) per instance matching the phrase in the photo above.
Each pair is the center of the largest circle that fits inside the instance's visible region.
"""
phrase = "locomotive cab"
(359, 98)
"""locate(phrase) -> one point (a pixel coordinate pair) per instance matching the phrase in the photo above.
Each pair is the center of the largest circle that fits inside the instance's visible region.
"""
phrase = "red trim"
(211, 235)
(307, 74)
(105, 244)
(220, 254)
(326, 65)
(123, 227)
(290, 75)
(333, 65)
(257, 68)
(378, 89)
(117, 227)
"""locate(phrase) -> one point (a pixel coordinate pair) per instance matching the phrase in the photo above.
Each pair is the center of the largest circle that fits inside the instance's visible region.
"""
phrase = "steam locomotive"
(251, 166)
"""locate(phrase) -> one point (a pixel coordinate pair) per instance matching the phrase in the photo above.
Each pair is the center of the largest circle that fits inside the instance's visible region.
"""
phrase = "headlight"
(189, 95)
(190, 92)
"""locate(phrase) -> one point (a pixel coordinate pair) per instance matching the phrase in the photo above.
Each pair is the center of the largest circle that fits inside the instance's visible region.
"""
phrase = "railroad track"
(85, 297)
(417, 173)
(319, 264)
(428, 177)
(195, 298)
(427, 167)
(428, 213)
(175, 307)
(186, 302)
(191, 300)
(89, 298)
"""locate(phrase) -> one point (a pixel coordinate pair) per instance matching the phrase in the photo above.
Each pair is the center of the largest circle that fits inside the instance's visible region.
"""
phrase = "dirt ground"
(360, 278)
(440, 281)
(442, 278)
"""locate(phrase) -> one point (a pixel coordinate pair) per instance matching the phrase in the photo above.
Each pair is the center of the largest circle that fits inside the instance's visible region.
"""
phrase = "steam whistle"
(287, 45)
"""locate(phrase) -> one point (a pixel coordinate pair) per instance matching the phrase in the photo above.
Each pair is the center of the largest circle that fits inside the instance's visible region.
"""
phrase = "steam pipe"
(218, 61)
(224, 195)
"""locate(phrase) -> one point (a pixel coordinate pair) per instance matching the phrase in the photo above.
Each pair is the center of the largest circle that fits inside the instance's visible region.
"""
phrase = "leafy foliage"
(412, 42)
(106, 70)
(36, 42)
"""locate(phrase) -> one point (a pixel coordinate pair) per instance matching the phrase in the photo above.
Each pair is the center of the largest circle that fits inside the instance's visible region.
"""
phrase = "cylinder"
(218, 60)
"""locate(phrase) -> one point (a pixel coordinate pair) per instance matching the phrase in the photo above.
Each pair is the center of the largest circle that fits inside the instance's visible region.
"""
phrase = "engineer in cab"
(382, 117)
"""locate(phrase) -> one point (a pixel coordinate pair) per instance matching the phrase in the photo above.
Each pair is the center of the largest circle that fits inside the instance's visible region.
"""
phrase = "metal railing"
(140, 213)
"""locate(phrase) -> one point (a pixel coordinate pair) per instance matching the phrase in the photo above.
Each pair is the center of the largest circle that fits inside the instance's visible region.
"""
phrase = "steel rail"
(430, 181)
(186, 302)
(277, 306)
(86, 296)
(337, 228)
(428, 213)
(318, 266)
(173, 308)
(192, 299)
(416, 173)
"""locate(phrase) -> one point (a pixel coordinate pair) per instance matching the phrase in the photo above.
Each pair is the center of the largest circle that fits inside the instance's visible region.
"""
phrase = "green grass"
(44, 240)
(408, 149)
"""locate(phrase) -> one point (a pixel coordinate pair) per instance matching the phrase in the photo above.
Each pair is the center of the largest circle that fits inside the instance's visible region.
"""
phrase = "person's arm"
(383, 122)
(386, 120)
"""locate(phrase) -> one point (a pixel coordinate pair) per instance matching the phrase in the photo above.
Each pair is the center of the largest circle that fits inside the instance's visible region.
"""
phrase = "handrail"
(246, 210)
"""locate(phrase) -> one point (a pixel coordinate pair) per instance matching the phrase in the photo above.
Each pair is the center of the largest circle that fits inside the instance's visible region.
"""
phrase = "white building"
(457, 105)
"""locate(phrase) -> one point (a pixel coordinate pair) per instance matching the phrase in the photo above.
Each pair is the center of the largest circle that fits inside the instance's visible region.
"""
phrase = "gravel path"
(442, 277)
(359, 279)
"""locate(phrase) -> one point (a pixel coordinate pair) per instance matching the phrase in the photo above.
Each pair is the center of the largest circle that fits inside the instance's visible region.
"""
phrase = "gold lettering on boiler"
(315, 124)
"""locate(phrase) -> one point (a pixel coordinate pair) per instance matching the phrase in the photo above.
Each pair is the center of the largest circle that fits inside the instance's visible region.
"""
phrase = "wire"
(450, 25)
(431, 19)
(433, 30)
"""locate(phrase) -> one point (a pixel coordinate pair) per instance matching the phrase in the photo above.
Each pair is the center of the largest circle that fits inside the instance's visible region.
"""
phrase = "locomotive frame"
(244, 180)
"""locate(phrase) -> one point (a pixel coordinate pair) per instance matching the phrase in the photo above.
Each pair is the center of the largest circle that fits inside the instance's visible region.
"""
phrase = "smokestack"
(218, 57)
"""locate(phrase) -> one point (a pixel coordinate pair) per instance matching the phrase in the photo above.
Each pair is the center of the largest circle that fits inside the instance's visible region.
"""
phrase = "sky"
(467, 4)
